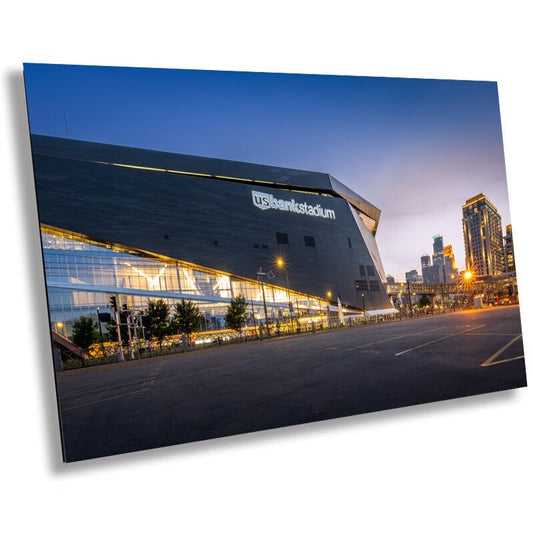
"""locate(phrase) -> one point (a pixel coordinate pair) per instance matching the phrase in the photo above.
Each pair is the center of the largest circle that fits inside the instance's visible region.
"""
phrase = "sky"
(416, 149)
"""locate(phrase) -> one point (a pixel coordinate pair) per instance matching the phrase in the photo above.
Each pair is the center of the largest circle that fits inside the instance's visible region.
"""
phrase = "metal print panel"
(227, 252)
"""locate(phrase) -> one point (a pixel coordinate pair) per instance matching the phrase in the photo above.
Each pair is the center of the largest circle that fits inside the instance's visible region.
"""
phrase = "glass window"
(309, 241)
(361, 285)
(282, 238)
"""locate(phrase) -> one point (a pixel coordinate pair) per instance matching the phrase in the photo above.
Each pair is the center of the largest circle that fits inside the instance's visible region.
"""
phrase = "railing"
(109, 353)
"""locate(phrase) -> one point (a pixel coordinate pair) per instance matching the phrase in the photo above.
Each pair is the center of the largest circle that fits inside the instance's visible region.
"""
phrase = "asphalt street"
(255, 386)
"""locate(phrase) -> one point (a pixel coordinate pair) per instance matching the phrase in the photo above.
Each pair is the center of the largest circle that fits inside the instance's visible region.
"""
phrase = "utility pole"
(100, 331)
(128, 323)
(134, 319)
(114, 306)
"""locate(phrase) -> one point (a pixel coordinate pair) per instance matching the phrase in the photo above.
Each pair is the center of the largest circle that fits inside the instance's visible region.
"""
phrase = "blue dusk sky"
(417, 149)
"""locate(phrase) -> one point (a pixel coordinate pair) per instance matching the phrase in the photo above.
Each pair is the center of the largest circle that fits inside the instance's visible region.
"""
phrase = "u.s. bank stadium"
(140, 224)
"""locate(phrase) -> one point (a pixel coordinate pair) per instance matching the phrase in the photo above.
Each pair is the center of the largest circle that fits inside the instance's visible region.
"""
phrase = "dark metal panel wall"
(210, 223)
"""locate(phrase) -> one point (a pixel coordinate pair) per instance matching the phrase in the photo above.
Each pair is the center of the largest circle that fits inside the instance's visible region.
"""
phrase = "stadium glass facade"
(81, 275)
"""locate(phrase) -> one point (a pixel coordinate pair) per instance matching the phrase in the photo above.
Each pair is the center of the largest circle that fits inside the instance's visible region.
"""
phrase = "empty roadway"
(260, 385)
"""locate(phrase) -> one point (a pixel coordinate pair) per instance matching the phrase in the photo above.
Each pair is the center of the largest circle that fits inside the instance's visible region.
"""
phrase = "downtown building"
(140, 225)
(413, 277)
(482, 232)
(510, 264)
(443, 268)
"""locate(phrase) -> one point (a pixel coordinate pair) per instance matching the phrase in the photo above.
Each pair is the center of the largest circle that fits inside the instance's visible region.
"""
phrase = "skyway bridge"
(397, 289)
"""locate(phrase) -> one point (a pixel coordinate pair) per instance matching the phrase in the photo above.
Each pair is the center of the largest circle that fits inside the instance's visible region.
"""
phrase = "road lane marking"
(104, 399)
(504, 360)
(489, 362)
(391, 338)
(438, 340)
(492, 334)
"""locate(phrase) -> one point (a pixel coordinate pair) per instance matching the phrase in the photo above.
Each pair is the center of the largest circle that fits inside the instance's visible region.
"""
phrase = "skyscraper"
(425, 261)
(449, 256)
(509, 249)
(438, 255)
(482, 232)
(450, 267)
(443, 269)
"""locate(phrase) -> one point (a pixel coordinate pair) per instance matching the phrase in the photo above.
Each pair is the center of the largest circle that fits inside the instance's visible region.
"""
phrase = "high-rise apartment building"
(482, 231)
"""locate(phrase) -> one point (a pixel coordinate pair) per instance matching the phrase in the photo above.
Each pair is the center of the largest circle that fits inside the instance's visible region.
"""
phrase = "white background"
(462, 465)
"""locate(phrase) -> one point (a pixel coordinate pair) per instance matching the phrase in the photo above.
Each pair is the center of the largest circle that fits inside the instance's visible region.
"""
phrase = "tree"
(236, 314)
(424, 301)
(84, 332)
(156, 320)
(188, 318)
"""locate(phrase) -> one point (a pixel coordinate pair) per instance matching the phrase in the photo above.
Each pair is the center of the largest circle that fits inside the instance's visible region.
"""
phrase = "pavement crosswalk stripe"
(439, 339)
(500, 351)
(391, 338)
(504, 360)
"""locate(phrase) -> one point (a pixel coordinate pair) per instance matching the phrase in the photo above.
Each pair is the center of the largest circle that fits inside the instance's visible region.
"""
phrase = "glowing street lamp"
(328, 294)
(468, 277)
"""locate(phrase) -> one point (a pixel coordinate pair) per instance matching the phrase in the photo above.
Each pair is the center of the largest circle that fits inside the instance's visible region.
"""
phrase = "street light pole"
(409, 296)
(443, 285)
(281, 264)
(119, 336)
(328, 294)
(261, 275)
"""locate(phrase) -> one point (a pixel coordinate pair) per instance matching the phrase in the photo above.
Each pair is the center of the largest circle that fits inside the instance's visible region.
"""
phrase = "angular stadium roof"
(264, 175)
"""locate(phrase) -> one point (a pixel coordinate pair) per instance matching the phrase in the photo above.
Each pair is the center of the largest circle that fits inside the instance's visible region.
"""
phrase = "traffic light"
(124, 307)
(113, 301)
